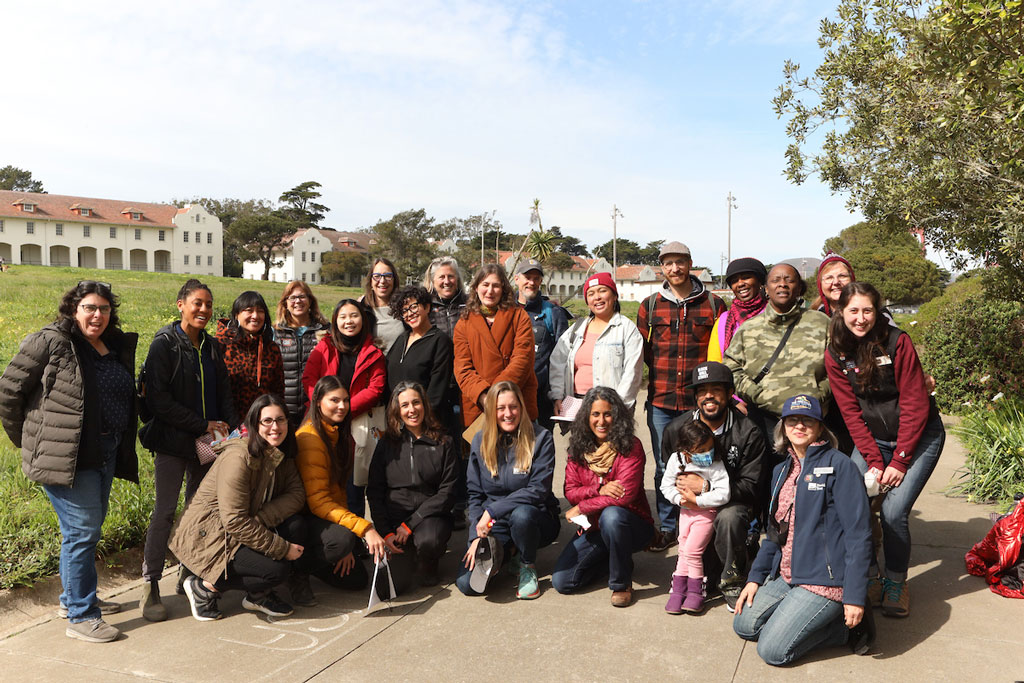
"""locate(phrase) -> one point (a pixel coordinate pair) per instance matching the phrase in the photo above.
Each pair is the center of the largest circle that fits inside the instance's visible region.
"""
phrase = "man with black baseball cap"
(549, 322)
(741, 446)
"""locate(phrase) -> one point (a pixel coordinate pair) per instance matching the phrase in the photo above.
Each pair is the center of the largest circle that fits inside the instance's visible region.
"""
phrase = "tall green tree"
(261, 238)
(343, 266)
(405, 239)
(19, 180)
(915, 112)
(628, 251)
(572, 246)
(300, 205)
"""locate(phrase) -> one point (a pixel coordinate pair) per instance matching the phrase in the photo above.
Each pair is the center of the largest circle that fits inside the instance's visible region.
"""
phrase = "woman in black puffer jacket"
(299, 326)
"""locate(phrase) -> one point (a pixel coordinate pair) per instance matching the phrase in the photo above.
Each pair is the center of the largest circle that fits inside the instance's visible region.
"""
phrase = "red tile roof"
(58, 207)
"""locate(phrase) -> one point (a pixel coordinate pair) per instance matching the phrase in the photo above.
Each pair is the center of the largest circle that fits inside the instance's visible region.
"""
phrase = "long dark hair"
(620, 436)
(353, 344)
(508, 297)
(431, 427)
(250, 299)
(73, 297)
(862, 350)
(258, 446)
(341, 457)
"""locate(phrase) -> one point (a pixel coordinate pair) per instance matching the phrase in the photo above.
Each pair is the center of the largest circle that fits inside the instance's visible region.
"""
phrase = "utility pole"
(616, 215)
(732, 205)
(721, 271)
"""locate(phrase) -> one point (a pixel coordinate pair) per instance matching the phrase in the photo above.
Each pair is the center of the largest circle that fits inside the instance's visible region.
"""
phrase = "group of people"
(434, 404)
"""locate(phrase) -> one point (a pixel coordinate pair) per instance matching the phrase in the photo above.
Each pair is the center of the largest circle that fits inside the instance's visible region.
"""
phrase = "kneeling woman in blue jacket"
(817, 550)
(511, 506)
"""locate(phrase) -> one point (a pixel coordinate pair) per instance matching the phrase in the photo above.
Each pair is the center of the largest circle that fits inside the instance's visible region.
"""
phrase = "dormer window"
(136, 216)
(85, 212)
(132, 213)
(28, 207)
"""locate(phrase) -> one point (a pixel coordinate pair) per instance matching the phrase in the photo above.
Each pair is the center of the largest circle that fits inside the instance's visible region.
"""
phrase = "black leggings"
(327, 543)
(253, 571)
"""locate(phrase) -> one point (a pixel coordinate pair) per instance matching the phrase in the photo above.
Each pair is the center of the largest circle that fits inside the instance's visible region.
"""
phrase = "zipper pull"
(829, 566)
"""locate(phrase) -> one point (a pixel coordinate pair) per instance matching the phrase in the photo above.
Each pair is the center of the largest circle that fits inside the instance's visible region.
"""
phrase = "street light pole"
(732, 205)
(616, 215)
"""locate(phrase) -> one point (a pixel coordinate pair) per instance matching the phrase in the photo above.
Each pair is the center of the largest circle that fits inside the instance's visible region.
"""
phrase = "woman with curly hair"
(493, 343)
(604, 482)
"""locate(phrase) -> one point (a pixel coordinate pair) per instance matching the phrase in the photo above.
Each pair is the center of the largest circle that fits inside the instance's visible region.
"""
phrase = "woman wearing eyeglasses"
(381, 282)
(813, 563)
(422, 354)
(67, 399)
(299, 326)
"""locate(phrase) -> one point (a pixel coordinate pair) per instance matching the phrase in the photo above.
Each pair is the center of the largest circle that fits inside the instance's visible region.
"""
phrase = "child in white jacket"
(695, 453)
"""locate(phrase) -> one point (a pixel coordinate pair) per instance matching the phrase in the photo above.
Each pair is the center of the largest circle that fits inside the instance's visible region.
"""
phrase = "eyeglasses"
(794, 420)
(410, 309)
(297, 297)
(829, 279)
(376, 277)
(88, 283)
(90, 309)
(271, 421)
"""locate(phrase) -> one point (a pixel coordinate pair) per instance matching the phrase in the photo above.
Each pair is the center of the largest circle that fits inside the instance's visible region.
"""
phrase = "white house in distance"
(59, 230)
(301, 257)
(636, 283)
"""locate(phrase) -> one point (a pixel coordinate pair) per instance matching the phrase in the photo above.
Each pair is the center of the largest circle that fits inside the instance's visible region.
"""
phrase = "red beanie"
(830, 258)
(604, 279)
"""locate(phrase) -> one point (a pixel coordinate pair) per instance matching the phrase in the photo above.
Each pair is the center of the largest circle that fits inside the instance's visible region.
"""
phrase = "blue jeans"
(657, 420)
(527, 528)
(81, 509)
(610, 547)
(898, 501)
(789, 621)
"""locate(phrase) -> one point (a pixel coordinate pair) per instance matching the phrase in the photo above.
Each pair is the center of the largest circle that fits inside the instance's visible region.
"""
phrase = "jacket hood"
(697, 288)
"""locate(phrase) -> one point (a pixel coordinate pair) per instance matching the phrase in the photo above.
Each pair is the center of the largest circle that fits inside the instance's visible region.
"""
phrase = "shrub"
(973, 349)
(994, 439)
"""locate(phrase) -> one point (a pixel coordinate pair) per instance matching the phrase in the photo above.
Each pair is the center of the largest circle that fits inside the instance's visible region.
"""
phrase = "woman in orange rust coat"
(493, 342)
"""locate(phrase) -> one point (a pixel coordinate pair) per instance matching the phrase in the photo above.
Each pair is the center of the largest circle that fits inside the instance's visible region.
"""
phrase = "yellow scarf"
(600, 461)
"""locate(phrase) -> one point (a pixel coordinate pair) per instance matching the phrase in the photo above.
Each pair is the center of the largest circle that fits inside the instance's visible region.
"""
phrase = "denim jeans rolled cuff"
(789, 621)
(81, 509)
(607, 550)
(657, 420)
(898, 502)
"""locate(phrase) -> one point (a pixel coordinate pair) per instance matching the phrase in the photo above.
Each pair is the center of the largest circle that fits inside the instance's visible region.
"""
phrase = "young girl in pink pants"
(695, 454)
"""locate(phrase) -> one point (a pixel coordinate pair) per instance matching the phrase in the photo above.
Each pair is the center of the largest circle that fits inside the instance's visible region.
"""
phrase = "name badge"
(818, 471)
(813, 486)
(516, 470)
(884, 360)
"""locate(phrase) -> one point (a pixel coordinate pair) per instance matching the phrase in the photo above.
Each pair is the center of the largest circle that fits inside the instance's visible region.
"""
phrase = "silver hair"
(428, 276)
(782, 444)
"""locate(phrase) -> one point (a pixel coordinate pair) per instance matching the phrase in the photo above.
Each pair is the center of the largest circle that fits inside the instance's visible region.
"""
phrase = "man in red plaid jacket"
(676, 324)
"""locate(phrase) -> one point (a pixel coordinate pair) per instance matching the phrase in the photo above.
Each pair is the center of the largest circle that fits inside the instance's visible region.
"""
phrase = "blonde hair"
(523, 437)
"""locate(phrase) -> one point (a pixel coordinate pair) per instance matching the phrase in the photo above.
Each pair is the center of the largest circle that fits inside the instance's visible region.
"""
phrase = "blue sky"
(458, 107)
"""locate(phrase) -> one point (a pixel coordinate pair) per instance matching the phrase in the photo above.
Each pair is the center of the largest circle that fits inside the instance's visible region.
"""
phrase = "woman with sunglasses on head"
(411, 489)
(882, 393)
(422, 354)
(67, 399)
(814, 559)
(299, 327)
(188, 394)
(243, 529)
(381, 283)
(251, 355)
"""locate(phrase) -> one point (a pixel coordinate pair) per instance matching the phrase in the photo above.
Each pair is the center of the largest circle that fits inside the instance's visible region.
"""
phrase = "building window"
(86, 231)
(199, 260)
(30, 228)
(186, 259)
(1, 226)
(160, 236)
(85, 212)
(197, 218)
(113, 233)
(59, 228)
(303, 257)
(28, 208)
(136, 216)
(138, 233)
(209, 260)
(209, 238)
(199, 237)
(313, 277)
(185, 235)
(312, 257)
(303, 277)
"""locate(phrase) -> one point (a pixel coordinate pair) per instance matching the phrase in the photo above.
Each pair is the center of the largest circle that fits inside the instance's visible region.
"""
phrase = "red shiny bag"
(997, 557)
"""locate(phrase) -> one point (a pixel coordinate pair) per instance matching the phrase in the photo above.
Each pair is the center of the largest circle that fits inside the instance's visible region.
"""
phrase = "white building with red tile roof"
(302, 256)
(637, 282)
(561, 285)
(60, 230)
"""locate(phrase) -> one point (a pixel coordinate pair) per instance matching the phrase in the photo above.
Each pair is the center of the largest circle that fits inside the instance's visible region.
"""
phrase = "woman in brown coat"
(242, 528)
(493, 343)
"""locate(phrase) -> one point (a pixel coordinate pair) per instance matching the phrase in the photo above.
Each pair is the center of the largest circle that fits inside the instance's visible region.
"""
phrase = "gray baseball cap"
(528, 265)
(673, 248)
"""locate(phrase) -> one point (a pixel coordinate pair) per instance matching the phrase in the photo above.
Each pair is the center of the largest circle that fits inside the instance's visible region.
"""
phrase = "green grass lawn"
(29, 535)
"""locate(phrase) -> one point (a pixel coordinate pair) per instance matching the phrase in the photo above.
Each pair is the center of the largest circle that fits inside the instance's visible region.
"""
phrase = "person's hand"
(558, 406)
(483, 527)
(852, 614)
(401, 535)
(469, 559)
(929, 383)
(689, 481)
(375, 544)
(688, 497)
(214, 426)
(392, 546)
(746, 596)
(294, 551)
(615, 489)
(892, 477)
(572, 512)
(345, 565)
(741, 406)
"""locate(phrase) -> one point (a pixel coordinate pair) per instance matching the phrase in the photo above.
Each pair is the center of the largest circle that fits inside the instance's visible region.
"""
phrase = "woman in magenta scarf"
(745, 277)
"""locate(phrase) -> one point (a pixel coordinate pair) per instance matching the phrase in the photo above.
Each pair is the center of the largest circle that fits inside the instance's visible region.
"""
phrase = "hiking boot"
(676, 595)
(300, 590)
(662, 541)
(202, 600)
(92, 631)
(268, 603)
(528, 586)
(486, 563)
(694, 602)
(862, 636)
(427, 572)
(622, 598)
(875, 591)
(105, 608)
(149, 603)
(732, 596)
(895, 598)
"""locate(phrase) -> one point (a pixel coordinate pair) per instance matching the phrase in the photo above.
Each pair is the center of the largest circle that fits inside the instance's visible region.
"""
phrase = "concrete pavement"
(958, 629)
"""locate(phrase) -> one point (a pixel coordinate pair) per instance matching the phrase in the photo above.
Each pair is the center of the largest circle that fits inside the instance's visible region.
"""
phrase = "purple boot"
(694, 602)
(676, 595)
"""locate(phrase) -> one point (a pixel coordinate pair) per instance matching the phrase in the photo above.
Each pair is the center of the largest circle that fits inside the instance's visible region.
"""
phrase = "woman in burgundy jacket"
(604, 482)
(350, 352)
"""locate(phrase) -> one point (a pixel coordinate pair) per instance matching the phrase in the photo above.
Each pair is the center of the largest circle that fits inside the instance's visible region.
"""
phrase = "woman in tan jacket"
(242, 528)
(493, 343)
